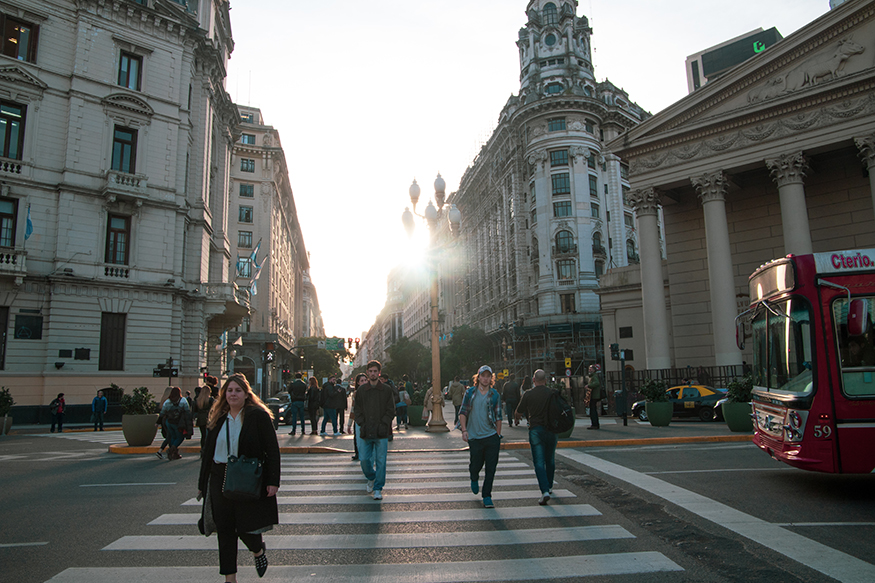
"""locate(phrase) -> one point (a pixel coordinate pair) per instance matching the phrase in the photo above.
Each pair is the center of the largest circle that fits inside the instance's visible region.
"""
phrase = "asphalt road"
(694, 512)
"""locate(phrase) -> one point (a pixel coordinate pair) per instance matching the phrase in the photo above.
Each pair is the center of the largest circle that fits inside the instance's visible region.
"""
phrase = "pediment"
(130, 103)
(828, 64)
(18, 76)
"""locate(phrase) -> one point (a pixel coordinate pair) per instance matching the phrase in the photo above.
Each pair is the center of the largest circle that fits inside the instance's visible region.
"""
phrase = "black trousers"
(226, 524)
(314, 419)
(484, 451)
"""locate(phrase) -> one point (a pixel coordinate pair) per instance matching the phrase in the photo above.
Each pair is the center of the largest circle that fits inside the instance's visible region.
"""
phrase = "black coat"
(257, 439)
(373, 410)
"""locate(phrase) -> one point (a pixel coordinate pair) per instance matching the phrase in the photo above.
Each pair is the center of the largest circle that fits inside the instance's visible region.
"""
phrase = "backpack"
(560, 417)
(174, 414)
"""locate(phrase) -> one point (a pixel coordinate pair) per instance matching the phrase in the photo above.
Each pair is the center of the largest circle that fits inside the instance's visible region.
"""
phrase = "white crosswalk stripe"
(107, 437)
(427, 500)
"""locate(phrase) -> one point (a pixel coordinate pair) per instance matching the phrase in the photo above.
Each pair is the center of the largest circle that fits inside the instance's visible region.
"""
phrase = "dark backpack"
(560, 416)
(174, 414)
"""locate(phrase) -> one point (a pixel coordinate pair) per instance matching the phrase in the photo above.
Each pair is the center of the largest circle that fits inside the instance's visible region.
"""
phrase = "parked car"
(279, 404)
(688, 401)
(718, 409)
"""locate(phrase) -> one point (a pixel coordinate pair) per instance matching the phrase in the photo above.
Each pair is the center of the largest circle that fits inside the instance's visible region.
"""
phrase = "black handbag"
(242, 475)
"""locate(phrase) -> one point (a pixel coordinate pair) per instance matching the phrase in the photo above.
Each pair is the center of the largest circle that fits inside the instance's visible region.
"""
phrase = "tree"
(407, 357)
(468, 349)
(325, 362)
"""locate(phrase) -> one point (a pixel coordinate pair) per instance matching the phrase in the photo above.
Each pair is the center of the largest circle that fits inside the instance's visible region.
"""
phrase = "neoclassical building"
(777, 156)
(117, 133)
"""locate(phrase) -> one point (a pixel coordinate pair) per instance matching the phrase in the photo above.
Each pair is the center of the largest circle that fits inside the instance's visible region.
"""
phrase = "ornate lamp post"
(432, 215)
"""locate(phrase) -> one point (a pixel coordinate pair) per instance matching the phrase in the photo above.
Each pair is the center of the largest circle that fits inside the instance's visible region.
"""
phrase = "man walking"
(98, 407)
(373, 410)
(510, 394)
(331, 396)
(455, 393)
(298, 394)
(480, 421)
(594, 388)
(541, 441)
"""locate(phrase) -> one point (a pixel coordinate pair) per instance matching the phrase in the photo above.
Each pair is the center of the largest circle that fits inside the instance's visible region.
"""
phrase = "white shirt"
(222, 450)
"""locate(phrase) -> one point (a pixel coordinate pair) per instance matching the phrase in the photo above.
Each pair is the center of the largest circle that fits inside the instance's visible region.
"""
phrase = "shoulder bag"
(242, 475)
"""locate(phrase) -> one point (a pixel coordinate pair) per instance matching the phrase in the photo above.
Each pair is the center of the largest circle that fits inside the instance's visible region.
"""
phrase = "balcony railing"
(13, 261)
(564, 250)
(122, 183)
(599, 250)
(8, 166)
(117, 271)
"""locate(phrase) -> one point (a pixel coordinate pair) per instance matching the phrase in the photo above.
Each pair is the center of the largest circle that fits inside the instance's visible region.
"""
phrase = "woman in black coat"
(249, 433)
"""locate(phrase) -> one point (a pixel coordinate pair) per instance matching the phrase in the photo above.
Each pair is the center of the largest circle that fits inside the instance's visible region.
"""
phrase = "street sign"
(506, 372)
(334, 344)
(567, 363)
(320, 344)
(568, 372)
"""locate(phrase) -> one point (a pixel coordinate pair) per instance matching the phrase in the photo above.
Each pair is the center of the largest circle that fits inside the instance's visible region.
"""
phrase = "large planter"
(139, 430)
(738, 417)
(659, 414)
(5, 425)
(414, 415)
(568, 433)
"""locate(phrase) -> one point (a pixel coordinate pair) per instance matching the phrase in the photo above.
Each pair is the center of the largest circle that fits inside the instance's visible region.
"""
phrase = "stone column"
(788, 171)
(712, 192)
(656, 337)
(867, 152)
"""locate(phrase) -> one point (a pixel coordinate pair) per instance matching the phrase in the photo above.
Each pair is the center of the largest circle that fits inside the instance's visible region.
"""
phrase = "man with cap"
(480, 422)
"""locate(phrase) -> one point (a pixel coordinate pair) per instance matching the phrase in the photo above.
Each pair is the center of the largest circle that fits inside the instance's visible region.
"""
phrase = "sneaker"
(378, 495)
(544, 499)
(337, 434)
(487, 502)
(291, 432)
(475, 487)
(159, 455)
(370, 487)
(322, 433)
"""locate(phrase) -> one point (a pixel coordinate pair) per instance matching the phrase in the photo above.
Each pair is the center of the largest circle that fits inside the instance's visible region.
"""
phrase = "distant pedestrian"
(203, 402)
(455, 394)
(510, 394)
(404, 400)
(594, 390)
(374, 408)
(174, 418)
(240, 425)
(298, 396)
(525, 386)
(99, 405)
(314, 401)
(542, 442)
(343, 404)
(57, 408)
(428, 404)
(360, 379)
(332, 395)
(480, 421)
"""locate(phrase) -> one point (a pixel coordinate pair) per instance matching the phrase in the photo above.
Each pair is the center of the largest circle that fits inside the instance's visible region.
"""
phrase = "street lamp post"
(432, 215)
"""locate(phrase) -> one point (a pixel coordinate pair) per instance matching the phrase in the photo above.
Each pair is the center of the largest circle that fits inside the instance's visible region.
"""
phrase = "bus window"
(856, 345)
(781, 338)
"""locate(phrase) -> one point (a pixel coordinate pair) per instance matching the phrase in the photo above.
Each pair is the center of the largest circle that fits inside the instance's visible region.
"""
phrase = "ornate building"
(114, 228)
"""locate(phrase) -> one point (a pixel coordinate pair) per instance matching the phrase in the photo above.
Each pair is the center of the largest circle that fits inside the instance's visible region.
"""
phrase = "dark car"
(279, 404)
(689, 401)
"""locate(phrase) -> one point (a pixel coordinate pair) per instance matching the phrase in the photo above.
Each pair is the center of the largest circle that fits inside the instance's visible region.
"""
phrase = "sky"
(367, 96)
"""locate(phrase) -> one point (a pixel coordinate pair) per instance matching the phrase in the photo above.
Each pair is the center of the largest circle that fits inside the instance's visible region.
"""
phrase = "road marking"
(353, 467)
(406, 516)
(393, 484)
(358, 476)
(12, 545)
(776, 469)
(546, 569)
(831, 562)
(425, 498)
(319, 460)
(795, 524)
(107, 437)
(127, 484)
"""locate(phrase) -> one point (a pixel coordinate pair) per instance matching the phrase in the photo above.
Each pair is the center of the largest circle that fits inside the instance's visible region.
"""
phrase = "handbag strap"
(228, 437)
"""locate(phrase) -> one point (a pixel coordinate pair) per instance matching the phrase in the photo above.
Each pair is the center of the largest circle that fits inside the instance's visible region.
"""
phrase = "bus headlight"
(795, 426)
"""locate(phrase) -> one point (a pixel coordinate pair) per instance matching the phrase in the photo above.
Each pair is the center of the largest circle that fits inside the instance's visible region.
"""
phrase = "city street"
(677, 512)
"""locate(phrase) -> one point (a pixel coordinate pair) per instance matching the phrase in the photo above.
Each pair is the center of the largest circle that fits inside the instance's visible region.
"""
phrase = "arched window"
(631, 253)
(596, 241)
(564, 242)
(550, 14)
(587, 90)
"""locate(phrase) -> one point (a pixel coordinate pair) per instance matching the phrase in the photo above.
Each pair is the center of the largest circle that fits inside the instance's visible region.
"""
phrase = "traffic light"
(615, 351)
(349, 342)
(356, 343)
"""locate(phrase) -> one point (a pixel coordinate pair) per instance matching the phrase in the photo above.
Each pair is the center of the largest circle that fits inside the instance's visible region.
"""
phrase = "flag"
(253, 285)
(253, 257)
(28, 231)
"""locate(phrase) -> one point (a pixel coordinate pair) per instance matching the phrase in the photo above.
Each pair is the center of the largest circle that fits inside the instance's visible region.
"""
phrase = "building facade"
(116, 139)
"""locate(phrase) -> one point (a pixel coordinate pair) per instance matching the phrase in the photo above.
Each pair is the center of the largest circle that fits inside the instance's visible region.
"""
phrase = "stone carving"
(538, 157)
(579, 153)
(788, 168)
(576, 126)
(867, 150)
(827, 67)
(711, 187)
(644, 201)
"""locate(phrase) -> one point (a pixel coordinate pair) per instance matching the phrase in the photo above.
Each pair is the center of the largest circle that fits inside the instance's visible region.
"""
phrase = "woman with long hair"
(240, 424)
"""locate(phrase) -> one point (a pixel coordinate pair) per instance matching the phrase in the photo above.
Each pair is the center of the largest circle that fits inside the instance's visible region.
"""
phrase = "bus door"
(854, 389)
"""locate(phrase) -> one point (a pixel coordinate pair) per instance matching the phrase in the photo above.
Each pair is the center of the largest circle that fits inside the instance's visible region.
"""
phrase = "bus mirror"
(739, 333)
(858, 317)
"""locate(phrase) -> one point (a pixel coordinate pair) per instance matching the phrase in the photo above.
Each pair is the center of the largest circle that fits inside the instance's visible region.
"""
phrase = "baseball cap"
(483, 369)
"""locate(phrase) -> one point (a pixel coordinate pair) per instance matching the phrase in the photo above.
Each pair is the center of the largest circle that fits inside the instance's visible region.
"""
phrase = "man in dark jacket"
(333, 398)
(510, 394)
(298, 395)
(542, 442)
(373, 410)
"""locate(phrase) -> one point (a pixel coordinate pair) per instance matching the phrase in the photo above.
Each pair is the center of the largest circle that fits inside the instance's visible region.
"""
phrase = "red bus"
(814, 360)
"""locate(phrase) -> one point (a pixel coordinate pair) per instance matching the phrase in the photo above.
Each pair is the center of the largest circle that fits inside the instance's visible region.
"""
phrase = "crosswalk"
(105, 437)
(429, 528)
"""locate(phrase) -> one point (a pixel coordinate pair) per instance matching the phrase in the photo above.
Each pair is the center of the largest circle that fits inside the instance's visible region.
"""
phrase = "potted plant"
(414, 411)
(139, 417)
(6, 403)
(657, 406)
(736, 409)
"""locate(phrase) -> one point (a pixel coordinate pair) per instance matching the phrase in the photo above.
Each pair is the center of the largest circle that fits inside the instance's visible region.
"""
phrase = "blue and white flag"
(28, 230)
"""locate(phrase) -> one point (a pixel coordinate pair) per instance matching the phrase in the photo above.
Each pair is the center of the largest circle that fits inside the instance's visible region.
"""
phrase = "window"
(597, 243)
(599, 268)
(561, 183)
(550, 16)
(118, 237)
(593, 186)
(626, 332)
(534, 250)
(565, 268)
(247, 165)
(562, 209)
(112, 341)
(534, 216)
(595, 210)
(19, 39)
(124, 150)
(624, 172)
(606, 189)
(248, 139)
(630, 222)
(566, 301)
(247, 190)
(554, 88)
(631, 253)
(247, 118)
(129, 67)
(8, 212)
(244, 239)
(587, 90)
(28, 327)
(591, 161)
(559, 158)
(564, 242)
(244, 267)
(245, 214)
(557, 124)
(589, 125)
(11, 130)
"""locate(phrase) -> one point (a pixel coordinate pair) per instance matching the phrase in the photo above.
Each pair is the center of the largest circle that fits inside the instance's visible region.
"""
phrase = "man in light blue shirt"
(480, 421)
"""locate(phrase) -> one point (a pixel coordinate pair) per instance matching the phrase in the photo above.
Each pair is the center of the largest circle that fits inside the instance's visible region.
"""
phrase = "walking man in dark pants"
(480, 421)
(594, 388)
(510, 394)
(541, 441)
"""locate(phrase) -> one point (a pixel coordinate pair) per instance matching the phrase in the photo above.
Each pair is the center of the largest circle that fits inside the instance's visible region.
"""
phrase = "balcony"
(116, 271)
(633, 258)
(10, 167)
(123, 185)
(227, 299)
(13, 262)
(564, 250)
(598, 250)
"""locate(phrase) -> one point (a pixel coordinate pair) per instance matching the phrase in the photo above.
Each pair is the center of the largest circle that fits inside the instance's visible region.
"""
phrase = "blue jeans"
(174, 434)
(297, 410)
(484, 451)
(543, 444)
(372, 456)
(511, 409)
(401, 414)
(329, 414)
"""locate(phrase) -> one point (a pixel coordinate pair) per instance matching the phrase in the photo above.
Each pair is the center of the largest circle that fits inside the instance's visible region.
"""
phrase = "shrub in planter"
(659, 409)
(6, 403)
(139, 415)
(141, 402)
(737, 410)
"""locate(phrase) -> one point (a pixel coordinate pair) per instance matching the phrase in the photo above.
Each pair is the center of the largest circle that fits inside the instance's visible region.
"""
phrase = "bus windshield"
(782, 346)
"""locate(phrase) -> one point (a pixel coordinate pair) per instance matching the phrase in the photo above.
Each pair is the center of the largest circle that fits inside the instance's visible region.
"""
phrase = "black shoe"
(355, 458)
(261, 562)
(291, 432)
(593, 427)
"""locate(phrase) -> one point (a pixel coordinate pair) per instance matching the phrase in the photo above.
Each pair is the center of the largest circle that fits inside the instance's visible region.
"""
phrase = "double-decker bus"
(811, 325)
